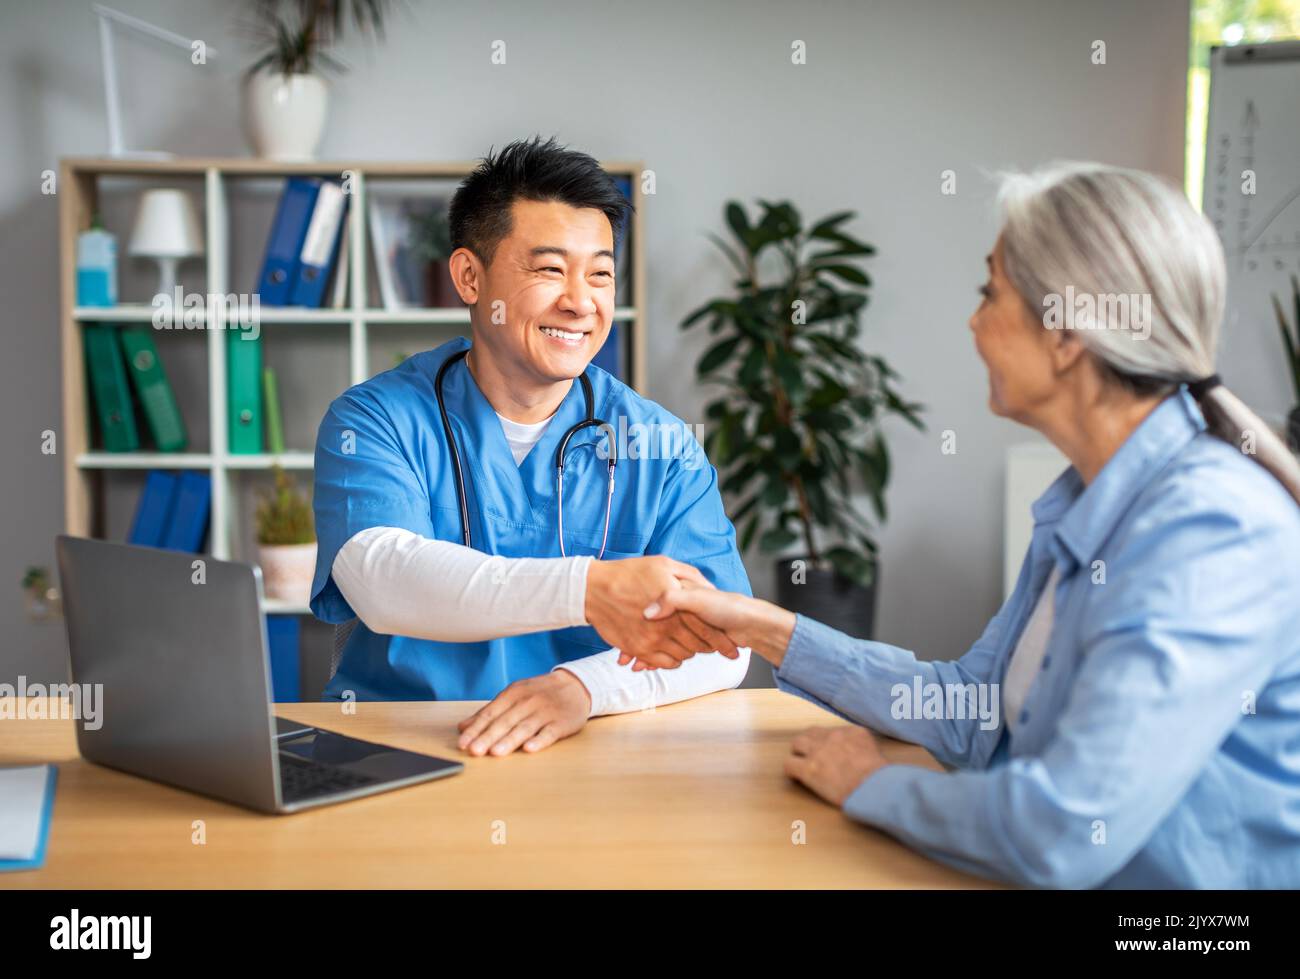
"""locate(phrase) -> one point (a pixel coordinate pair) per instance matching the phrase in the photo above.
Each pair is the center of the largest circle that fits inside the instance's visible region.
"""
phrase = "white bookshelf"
(84, 466)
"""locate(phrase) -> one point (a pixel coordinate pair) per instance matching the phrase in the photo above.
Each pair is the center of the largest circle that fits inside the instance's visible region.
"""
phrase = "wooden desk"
(689, 795)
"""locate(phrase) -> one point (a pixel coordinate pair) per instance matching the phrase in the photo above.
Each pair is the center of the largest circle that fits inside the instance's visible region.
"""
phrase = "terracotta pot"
(287, 571)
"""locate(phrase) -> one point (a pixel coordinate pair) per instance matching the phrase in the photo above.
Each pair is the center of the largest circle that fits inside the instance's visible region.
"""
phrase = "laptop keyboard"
(302, 779)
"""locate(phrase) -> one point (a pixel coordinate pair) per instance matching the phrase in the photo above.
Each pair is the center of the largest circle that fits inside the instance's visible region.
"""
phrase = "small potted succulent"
(286, 541)
(1291, 345)
(40, 597)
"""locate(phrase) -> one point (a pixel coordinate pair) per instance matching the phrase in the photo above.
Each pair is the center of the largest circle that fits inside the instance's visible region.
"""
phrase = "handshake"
(639, 606)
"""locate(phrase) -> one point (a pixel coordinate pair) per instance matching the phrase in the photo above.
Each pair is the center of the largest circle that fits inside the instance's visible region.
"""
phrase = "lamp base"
(166, 279)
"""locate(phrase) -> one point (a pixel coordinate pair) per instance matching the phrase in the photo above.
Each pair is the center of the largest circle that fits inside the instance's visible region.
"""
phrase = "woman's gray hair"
(1151, 273)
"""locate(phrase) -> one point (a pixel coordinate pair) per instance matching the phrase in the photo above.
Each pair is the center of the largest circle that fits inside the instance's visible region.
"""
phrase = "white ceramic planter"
(284, 115)
(287, 571)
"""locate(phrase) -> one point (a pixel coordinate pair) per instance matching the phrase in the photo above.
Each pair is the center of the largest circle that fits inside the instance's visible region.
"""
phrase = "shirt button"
(1024, 716)
(1047, 661)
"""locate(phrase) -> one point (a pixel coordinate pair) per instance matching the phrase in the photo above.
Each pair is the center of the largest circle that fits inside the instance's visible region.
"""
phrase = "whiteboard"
(1254, 126)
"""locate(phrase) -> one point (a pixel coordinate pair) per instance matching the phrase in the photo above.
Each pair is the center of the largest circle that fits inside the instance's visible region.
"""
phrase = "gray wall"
(894, 92)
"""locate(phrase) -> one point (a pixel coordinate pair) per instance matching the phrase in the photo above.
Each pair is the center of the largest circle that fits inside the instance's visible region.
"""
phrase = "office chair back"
(342, 632)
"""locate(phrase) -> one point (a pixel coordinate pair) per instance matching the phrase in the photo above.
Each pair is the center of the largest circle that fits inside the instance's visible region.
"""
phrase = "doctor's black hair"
(530, 170)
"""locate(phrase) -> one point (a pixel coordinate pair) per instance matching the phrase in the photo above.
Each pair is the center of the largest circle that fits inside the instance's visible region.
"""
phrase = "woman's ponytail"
(1228, 417)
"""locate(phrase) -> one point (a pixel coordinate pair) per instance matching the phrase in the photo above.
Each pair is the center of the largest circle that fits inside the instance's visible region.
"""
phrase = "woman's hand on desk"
(763, 627)
(833, 761)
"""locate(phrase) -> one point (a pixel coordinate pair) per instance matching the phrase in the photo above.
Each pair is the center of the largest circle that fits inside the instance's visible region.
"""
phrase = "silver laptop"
(186, 690)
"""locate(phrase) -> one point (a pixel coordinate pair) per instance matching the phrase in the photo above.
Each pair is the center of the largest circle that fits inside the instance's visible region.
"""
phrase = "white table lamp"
(166, 230)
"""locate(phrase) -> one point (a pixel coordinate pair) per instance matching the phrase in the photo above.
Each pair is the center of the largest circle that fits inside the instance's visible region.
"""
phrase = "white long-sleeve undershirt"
(402, 584)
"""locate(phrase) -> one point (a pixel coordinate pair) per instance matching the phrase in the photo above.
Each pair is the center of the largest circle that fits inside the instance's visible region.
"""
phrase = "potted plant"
(40, 597)
(285, 96)
(286, 541)
(797, 429)
(430, 238)
(1291, 344)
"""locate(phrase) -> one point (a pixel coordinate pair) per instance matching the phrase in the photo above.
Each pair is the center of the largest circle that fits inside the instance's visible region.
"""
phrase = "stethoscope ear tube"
(451, 444)
(588, 422)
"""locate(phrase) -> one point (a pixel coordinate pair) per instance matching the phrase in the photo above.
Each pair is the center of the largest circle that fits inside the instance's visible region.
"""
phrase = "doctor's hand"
(532, 713)
(618, 591)
(763, 627)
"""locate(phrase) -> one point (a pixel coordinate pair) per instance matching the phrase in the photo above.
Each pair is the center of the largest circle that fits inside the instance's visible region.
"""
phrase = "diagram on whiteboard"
(1252, 196)
(1257, 210)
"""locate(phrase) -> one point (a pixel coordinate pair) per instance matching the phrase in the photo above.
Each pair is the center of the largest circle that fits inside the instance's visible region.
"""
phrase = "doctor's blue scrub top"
(1159, 745)
(382, 461)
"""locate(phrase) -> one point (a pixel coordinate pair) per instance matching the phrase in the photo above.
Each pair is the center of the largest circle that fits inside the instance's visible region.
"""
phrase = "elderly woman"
(1148, 663)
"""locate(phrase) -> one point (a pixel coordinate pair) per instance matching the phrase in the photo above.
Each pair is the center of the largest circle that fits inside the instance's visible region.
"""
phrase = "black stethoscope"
(591, 421)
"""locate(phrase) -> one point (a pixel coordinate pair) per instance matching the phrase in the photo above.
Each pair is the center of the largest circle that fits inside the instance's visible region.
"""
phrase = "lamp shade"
(166, 226)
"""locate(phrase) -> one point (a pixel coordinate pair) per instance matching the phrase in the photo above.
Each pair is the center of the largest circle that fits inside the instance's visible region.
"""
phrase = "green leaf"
(752, 367)
(774, 493)
(852, 565)
(780, 221)
(776, 539)
(841, 240)
(827, 224)
(736, 482)
(737, 262)
(836, 346)
(848, 273)
(739, 224)
(717, 355)
(842, 251)
(716, 411)
(818, 502)
(699, 314)
(787, 369)
(908, 410)
(874, 467)
(1290, 345)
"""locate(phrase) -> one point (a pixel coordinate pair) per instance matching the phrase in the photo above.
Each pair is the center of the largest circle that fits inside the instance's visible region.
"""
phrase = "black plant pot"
(1293, 429)
(828, 597)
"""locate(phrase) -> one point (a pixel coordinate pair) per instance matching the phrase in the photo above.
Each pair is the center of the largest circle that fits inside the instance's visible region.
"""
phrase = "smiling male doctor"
(508, 618)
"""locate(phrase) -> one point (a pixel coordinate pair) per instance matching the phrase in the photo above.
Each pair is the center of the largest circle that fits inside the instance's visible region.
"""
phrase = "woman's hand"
(833, 761)
(763, 627)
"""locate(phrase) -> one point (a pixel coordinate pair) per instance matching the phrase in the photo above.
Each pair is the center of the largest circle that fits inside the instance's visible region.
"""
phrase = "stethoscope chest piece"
(590, 421)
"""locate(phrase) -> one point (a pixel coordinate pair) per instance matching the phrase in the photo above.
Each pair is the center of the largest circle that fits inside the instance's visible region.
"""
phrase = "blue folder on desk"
(25, 809)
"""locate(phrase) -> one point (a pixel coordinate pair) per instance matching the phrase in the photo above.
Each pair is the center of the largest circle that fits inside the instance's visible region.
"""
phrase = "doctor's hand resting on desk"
(1131, 715)
(536, 712)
